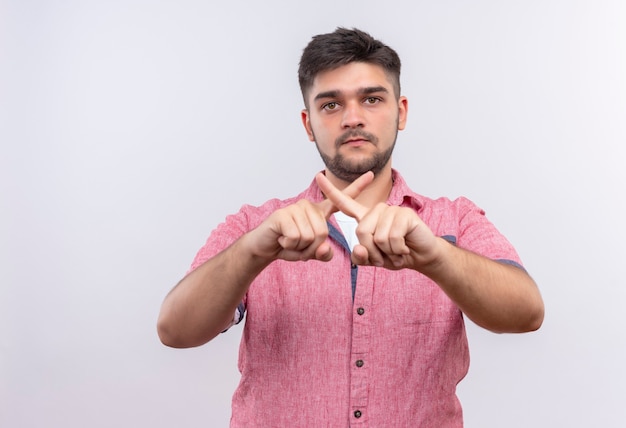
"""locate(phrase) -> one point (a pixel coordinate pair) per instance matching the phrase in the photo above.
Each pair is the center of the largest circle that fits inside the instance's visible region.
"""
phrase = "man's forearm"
(497, 296)
(203, 303)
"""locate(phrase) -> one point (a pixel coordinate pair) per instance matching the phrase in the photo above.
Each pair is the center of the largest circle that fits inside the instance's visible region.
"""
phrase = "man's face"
(353, 117)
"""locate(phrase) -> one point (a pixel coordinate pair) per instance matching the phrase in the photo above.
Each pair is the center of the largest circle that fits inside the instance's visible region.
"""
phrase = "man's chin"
(349, 168)
(350, 174)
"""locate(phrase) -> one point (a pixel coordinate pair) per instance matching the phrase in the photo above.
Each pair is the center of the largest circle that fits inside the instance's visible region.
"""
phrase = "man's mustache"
(355, 133)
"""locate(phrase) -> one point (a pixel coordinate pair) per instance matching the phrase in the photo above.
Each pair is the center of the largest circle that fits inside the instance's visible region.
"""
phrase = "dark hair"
(343, 46)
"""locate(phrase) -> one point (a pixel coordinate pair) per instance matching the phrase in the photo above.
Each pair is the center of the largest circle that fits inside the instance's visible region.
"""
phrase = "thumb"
(324, 252)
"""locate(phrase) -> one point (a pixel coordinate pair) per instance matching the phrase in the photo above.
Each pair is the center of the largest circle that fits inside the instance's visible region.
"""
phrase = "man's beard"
(349, 171)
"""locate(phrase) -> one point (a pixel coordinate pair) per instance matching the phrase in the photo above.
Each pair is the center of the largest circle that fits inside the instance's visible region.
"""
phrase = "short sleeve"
(222, 237)
(477, 234)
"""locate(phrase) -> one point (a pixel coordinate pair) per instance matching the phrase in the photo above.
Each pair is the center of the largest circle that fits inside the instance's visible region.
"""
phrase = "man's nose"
(353, 116)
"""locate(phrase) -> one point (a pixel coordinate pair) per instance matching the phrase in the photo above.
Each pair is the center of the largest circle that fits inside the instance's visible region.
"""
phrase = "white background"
(129, 129)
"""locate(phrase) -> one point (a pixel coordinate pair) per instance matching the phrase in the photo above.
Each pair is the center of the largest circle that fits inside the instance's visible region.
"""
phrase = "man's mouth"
(356, 141)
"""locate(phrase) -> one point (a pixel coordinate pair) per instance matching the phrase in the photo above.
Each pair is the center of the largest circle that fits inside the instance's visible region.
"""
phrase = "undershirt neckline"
(348, 226)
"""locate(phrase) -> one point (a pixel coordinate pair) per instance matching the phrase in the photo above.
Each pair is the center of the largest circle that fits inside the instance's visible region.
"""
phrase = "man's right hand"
(299, 231)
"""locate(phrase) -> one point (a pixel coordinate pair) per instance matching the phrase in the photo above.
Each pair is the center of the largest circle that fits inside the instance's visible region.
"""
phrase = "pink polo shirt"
(335, 345)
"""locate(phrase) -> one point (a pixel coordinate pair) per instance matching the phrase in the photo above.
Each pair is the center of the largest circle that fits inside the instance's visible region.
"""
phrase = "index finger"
(344, 200)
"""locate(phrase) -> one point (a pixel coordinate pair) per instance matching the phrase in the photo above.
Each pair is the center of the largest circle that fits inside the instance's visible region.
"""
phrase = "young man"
(354, 290)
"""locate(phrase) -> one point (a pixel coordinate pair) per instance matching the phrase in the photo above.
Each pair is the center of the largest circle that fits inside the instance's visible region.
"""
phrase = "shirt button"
(357, 414)
(360, 311)
(359, 363)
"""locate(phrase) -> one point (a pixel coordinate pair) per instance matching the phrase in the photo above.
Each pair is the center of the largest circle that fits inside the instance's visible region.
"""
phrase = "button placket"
(361, 343)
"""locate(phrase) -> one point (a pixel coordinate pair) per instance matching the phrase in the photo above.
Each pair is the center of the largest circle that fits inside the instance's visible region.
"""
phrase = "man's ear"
(306, 122)
(403, 111)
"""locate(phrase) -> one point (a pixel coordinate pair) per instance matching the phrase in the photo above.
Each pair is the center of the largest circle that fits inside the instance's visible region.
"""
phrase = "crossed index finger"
(337, 200)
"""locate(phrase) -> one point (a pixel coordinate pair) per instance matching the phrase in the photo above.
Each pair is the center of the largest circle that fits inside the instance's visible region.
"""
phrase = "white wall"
(129, 129)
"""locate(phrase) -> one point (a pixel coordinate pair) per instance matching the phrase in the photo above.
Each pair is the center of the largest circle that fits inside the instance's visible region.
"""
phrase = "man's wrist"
(435, 261)
(248, 249)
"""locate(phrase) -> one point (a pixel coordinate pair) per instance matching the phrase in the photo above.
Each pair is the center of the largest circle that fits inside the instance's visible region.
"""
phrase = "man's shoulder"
(402, 194)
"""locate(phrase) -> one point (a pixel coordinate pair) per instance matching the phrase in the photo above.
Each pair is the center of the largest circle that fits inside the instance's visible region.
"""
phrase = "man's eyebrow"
(361, 91)
(372, 90)
(327, 94)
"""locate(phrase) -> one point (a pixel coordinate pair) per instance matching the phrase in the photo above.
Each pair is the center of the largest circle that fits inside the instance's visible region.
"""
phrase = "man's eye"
(330, 106)
(371, 100)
